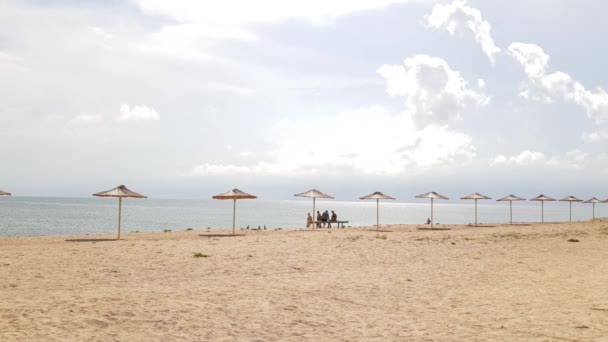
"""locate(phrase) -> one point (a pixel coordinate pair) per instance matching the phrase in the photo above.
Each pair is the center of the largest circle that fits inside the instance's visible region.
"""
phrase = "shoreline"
(241, 231)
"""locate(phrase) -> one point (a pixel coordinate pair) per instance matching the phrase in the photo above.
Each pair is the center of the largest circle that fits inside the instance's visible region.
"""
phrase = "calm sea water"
(28, 216)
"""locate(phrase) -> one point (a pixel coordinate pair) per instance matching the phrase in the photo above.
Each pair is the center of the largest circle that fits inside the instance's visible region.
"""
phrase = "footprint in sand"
(97, 323)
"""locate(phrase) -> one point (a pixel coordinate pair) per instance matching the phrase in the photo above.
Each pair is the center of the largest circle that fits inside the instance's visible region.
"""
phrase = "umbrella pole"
(314, 213)
(432, 220)
(377, 215)
(511, 212)
(570, 211)
(542, 211)
(593, 217)
(119, 215)
(233, 215)
(476, 211)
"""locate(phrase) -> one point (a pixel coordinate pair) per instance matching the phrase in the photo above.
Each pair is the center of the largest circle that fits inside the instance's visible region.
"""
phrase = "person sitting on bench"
(325, 218)
(334, 218)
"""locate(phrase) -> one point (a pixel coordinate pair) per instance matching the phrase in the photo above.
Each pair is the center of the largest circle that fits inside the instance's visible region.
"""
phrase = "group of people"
(323, 220)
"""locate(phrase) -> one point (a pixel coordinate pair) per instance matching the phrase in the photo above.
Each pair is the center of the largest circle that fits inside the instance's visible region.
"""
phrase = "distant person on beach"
(428, 221)
(309, 221)
(325, 218)
(318, 219)
(334, 218)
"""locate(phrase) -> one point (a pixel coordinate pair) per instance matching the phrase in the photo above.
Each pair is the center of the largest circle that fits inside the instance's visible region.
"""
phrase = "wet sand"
(461, 283)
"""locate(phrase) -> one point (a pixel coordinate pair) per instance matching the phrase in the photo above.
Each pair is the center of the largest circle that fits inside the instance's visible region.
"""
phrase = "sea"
(36, 216)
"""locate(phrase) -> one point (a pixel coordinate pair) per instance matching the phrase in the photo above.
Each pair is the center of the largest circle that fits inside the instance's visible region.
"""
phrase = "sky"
(187, 99)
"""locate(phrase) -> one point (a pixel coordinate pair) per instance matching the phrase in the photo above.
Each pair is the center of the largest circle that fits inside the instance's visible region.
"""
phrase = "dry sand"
(501, 283)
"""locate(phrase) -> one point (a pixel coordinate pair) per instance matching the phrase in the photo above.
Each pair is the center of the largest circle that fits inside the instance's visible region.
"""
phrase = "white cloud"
(227, 88)
(574, 159)
(193, 24)
(540, 85)
(219, 169)
(591, 137)
(546, 87)
(526, 157)
(532, 57)
(127, 113)
(232, 18)
(87, 119)
(101, 32)
(137, 113)
(181, 41)
(458, 14)
(373, 142)
(435, 94)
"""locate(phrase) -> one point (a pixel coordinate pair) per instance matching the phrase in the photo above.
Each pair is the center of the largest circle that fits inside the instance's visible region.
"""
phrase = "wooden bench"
(340, 224)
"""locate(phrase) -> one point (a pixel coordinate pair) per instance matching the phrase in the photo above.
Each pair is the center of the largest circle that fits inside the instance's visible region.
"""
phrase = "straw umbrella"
(476, 196)
(593, 200)
(314, 193)
(542, 198)
(570, 199)
(120, 192)
(510, 198)
(432, 195)
(234, 195)
(377, 196)
(4, 193)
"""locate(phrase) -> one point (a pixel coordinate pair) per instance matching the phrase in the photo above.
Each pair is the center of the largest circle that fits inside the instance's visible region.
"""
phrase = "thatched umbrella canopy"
(593, 200)
(432, 195)
(314, 193)
(476, 196)
(377, 196)
(234, 194)
(570, 199)
(4, 193)
(510, 198)
(542, 198)
(120, 192)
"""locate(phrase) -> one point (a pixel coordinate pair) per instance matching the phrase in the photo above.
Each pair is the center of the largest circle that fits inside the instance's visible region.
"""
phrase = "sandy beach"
(494, 283)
